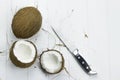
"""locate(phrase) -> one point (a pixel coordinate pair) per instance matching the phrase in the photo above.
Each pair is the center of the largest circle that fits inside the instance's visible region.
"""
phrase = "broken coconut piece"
(23, 53)
(26, 22)
(52, 61)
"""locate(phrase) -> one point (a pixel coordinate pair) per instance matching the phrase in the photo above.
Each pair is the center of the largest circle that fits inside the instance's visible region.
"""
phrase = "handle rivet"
(83, 62)
(87, 67)
(78, 57)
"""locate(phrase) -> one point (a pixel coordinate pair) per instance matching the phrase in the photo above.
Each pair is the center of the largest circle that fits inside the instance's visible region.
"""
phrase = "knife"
(75, 54)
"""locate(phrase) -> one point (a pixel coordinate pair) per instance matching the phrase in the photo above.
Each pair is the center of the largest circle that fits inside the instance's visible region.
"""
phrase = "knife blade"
(83, 63)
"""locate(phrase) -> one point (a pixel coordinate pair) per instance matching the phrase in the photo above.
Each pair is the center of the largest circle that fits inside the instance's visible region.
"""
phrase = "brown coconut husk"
(26, 22)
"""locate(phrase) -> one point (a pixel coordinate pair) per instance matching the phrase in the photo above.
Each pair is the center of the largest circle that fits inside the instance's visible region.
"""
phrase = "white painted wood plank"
(114, 38)
(3, 26)
(2, 67)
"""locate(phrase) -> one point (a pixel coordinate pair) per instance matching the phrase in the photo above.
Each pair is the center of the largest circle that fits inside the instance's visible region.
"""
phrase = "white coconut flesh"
(24, 51)
(52, 61)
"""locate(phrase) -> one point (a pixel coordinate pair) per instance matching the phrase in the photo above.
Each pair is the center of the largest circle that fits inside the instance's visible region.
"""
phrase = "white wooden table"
(98, 19)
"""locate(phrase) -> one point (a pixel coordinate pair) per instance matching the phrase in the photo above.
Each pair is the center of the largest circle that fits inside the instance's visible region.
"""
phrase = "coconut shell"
(26, 22)
(62, 62)
(15, 61)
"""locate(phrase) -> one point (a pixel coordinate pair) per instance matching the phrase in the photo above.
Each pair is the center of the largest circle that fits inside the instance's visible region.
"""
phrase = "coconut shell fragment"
(26, 22)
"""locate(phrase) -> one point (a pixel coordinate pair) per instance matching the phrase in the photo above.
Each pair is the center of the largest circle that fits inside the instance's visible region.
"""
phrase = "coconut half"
(26, 22)
(23, 53)
(52, 61)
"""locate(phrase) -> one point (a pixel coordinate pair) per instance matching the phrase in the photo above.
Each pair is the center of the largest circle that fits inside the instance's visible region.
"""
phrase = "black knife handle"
(83, 63)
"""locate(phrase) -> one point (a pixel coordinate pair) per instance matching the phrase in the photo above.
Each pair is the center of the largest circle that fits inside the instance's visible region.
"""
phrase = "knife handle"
(82, 62)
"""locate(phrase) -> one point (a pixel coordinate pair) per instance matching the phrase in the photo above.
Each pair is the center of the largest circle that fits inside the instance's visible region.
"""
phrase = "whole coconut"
(26, 22)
